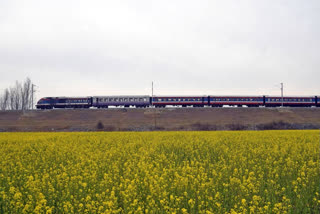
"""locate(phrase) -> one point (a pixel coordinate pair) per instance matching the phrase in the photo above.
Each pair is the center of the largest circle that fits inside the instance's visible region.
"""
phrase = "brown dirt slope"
(160, 119)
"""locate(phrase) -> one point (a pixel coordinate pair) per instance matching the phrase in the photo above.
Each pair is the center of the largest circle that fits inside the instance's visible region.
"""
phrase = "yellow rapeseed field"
(160, 172)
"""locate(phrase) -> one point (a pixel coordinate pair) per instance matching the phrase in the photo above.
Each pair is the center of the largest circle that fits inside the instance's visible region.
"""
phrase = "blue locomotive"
(180, 101)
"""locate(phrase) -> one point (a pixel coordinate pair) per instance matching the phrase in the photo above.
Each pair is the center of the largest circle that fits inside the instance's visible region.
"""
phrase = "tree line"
(17, 97)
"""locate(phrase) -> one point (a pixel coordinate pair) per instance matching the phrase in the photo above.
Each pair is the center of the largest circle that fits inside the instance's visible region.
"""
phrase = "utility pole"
(281, 94)
(154, 111)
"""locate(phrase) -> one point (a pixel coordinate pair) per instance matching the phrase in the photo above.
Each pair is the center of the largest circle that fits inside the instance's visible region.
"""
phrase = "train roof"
(66, 97)
(115, 96)
(179, 95)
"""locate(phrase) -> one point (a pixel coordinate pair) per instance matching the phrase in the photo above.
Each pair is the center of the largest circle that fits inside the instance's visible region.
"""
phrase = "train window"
(145, 99)
(130, 99)
(160, 99)
(169, 99)
(120, 99)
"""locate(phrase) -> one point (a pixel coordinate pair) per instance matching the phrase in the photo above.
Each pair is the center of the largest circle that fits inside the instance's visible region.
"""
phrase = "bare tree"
(1, 103)
(18, 97)
(26, 94)
(5, 100)
(12, 93)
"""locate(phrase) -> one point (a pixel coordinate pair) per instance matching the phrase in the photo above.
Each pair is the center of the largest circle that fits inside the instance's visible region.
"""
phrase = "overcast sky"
(82, 47)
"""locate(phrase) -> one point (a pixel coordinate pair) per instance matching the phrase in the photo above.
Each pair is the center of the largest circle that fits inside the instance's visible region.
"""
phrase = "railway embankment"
(174, 119)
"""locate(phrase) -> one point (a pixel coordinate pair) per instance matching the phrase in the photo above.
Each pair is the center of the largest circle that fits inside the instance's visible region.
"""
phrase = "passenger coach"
(126, 101)
(250, 101)
(290, 101)
(184, 101)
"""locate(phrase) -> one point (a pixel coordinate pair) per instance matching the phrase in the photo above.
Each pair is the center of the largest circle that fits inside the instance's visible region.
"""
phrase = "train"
(144, 101)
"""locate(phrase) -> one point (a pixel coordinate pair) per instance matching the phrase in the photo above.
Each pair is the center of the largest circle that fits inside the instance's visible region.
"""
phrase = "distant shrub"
(237, 127)
(100, 125)
(203, 127)
(109, 128)
(277, 125)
